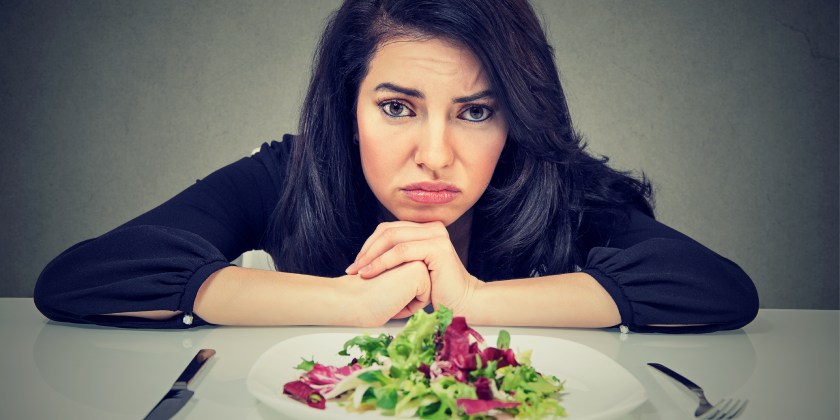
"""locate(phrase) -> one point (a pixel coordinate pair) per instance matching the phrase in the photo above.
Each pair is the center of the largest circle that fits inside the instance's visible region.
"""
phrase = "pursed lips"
(431, 192)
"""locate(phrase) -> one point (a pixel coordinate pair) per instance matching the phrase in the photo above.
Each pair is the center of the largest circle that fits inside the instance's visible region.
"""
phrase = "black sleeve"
(657, 275)
(159, 260)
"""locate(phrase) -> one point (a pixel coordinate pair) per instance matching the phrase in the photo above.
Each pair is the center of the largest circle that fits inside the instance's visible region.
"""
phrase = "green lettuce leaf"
(306, 365)
(415, 344)
(372, 348)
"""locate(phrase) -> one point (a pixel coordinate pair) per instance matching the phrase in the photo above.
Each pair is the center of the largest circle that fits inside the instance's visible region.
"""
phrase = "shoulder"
(273, 157)
(622, 227)
(275, 150)
(260, 176)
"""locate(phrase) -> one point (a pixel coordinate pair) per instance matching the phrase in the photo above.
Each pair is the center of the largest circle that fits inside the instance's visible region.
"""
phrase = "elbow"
(743, 301)
(47, 295)
(731, 298)
(54, 290)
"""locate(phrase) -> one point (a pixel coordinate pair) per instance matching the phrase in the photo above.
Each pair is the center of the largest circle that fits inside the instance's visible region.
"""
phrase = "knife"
(178, 395)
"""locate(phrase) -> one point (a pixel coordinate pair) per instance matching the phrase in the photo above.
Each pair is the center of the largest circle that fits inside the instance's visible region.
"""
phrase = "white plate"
(596, 387)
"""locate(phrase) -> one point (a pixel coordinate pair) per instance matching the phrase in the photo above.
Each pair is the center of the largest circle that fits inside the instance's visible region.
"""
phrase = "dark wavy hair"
(529, 219)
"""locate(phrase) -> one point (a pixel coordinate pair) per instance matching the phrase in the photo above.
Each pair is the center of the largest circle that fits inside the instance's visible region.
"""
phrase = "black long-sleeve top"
(159, 260)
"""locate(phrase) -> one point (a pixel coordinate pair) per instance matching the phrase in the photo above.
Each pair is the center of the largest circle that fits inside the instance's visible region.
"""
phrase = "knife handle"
(194, 366)
(681, 379)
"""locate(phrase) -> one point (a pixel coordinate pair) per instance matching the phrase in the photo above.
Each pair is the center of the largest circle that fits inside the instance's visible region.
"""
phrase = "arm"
(561, 300)
(241, 296)
(663, 281)
(644, 275)
(157, 262)
(174, 261)
(568, 300)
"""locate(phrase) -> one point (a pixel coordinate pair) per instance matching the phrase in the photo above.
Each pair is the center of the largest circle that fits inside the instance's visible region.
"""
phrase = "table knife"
(178, 395)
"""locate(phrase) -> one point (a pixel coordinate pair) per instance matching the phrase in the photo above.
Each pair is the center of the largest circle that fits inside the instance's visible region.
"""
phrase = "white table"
(785, 362)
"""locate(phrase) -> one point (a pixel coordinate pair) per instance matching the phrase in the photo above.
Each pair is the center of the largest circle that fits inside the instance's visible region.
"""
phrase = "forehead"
(430, 58)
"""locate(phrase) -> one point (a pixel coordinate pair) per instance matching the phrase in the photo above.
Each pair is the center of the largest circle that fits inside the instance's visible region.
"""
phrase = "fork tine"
(727, 409)
(737, 409)
(719, 410)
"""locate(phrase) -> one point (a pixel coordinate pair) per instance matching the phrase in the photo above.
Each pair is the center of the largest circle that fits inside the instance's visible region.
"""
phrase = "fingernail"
(364, 270)
(350, 268)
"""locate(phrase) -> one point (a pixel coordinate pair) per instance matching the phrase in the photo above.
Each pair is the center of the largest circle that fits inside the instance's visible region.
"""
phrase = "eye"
(476, 113)
(396, 109)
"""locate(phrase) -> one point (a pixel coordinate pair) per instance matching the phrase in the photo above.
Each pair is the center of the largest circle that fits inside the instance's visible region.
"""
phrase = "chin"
(428, 216)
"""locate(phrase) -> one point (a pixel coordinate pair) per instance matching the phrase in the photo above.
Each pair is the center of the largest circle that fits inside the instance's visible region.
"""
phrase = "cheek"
(483, 159)
(367, 142)
(371, 158)
(376, 165)
(379, 161)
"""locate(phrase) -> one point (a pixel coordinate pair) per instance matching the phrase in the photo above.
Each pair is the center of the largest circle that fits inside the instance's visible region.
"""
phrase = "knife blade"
(178, 395)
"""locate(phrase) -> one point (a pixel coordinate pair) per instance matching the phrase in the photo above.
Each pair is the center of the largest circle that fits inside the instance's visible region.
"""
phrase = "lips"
(431, 192)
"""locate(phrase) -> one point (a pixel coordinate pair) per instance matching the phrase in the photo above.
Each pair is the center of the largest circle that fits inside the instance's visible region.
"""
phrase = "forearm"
(563, 300)
(242, 296)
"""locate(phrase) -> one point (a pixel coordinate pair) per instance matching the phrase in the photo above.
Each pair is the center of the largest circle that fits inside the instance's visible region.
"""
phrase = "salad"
(437, 367)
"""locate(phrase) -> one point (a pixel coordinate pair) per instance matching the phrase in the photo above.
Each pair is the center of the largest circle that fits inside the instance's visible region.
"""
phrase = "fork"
(725, 409)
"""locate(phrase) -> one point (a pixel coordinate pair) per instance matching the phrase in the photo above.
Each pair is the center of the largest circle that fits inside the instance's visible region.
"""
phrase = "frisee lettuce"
(373, 348)
(438, 367)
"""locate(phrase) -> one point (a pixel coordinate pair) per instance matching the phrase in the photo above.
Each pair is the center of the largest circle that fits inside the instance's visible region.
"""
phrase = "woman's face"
(430, 133)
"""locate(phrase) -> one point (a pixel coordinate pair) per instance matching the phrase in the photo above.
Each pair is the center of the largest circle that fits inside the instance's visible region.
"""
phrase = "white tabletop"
(785, 362)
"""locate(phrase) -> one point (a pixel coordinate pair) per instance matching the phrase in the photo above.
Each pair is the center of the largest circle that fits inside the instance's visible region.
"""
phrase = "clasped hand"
(395, 249)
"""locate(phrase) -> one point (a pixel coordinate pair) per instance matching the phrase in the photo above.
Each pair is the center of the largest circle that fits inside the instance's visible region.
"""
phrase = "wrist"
(345, 301)
(469, 306)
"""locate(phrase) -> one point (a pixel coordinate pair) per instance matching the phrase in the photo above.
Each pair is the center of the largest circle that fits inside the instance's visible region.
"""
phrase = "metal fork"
(725, 409)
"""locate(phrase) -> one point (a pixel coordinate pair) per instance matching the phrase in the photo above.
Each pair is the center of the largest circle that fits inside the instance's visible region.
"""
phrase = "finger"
(384, 230)
(403, 313)
(353, 268)
(422, 296)
(416, 305)
(410, 309)
(420, 251)
(386, 237)
(370, 239)
(379, 229)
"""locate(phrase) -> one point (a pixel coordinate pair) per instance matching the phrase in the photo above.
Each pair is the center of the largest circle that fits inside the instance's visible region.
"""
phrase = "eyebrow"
(480, 95)
(414, 93)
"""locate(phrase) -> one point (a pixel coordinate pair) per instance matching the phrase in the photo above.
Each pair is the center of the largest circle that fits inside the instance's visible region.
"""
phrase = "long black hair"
(529, 219)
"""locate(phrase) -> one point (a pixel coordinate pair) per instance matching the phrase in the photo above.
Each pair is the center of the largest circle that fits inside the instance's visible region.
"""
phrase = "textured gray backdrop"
(107, 108)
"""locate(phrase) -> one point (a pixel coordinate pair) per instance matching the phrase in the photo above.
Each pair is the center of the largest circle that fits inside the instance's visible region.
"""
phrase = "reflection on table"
(785, 363)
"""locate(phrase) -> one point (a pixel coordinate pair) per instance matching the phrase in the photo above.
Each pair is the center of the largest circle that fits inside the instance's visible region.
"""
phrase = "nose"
(434, 150)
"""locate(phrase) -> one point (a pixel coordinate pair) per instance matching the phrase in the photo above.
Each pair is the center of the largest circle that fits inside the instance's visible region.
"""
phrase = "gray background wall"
(107, 108)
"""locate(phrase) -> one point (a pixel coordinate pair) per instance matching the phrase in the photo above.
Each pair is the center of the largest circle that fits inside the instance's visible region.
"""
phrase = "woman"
(435, 163)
